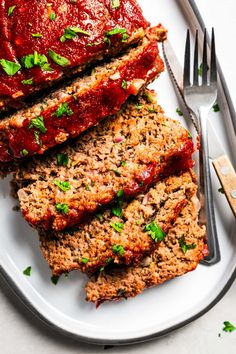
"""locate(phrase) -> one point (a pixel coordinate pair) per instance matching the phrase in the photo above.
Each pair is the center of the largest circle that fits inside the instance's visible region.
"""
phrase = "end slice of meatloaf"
(179, 252)
(73, 109)
(120, 235)
(45, 42)
(128, 152)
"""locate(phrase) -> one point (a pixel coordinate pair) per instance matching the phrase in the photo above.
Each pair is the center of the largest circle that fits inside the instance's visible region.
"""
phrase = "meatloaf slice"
(45, 41)
(120, 234)
(73, 109)
(179, 253)
(127, 152)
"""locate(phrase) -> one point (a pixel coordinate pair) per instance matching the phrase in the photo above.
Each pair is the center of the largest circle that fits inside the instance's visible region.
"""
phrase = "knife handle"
(227, 177)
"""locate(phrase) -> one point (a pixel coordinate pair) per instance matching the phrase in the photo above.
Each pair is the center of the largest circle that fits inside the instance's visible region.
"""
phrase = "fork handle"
(207, 213)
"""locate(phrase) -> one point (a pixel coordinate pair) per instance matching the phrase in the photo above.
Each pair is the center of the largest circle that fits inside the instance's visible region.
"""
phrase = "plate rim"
(49, 323)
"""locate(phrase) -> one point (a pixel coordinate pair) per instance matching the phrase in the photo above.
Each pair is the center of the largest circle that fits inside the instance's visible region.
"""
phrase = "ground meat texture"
(118, 235)
(40, 27)
(180, 252)
(128, 152)
(82, 104)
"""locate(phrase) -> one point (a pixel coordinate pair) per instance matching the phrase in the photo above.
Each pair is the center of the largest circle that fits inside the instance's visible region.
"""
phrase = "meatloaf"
(43, 41)
(121, 234)
(70, 111)
(179, 252)
(127, 152)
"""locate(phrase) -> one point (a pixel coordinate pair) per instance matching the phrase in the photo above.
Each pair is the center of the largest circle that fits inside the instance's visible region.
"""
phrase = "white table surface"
(22, 333)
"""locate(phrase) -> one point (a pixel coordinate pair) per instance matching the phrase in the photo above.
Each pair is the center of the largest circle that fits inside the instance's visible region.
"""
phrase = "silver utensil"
(200, 99)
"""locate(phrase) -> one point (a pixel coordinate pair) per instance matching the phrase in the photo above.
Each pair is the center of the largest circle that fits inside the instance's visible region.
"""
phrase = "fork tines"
(204, 65)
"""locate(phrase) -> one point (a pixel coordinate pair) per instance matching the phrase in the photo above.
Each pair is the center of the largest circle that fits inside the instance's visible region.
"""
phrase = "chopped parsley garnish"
(123, 163)
(62, 208)
(179, 112)
(64, 186)
(36, 35)
(120, 193)
(138, 106)
(38, 123)
(62, 159)
(115, 4)
(54, 279)
(184, 246)
(124, 84)
(118, 226)
(52, 16)
(221, 190)
(84, 260)
(216, 108)
(24, 152)
(154, 230)
(58, 59)
(190, 135)
(10, 10)
(27, 271)
(36, 59)
(109, 260)
(62, 110)
(228, 327)
(87, 187)
(151, 110)
(121, 292)
(117, 211)
(141, 184)
(149, 97)
(28, 81)
(117, 173)
(118, 249)
(10, 67)
(72, 32)
(115, 31)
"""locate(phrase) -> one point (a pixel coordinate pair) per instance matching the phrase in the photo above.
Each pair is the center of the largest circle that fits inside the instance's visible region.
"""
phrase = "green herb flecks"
(115, 4)
(10, 67)
(184, 246)
(28, 81)
(179, 112)
(117, 173)
(200, 70)
(62, 159)
(27, 271)
(228, 327)
(54, 279)
(123, 163)
(84, 260)
(99, 216)
(118, 249)
(52, 16)
(62, 208)
(120, 193)
(38, 123)
(10, 10)
(24, 152)
(116, 31)
(121, 292)
(118, 226)
(58, 59)
(64, 186)
(221, 190)
(154, 230)
(152, 110)
(72, 32)
(216, 107)
(190, 135)
(63, 110)
(36, 35)
(124, 84)
(31, 60)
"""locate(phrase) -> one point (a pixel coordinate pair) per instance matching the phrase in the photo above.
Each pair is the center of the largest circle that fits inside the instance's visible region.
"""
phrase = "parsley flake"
(62, 208)
(38, 123)
(124, 84)
(27, 271)
(184, 246)
(228, 327)
(84, 260)
(10, 67)
(200, 70)
(115, 31)
(118, 226)
(179, 112)
(54, 279)
(216, 107)
(58, 59)
(115, 4)
(62, 110)
(99, 216)
(117, 173)
(62, 159)
(52, 16)
(36, 59)
(64, 186)
(72, 32)
(24, 152)
(10, 10)
(118, 249)
(221, 190)
(120, 193)
(28, 81)
(154, 230)
(117, 211)
(36, 35)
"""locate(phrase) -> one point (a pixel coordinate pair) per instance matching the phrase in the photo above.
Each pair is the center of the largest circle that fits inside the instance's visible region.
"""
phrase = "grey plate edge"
(17, 291)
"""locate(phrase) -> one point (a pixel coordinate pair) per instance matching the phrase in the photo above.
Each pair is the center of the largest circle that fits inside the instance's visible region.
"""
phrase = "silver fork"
(200, 99)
